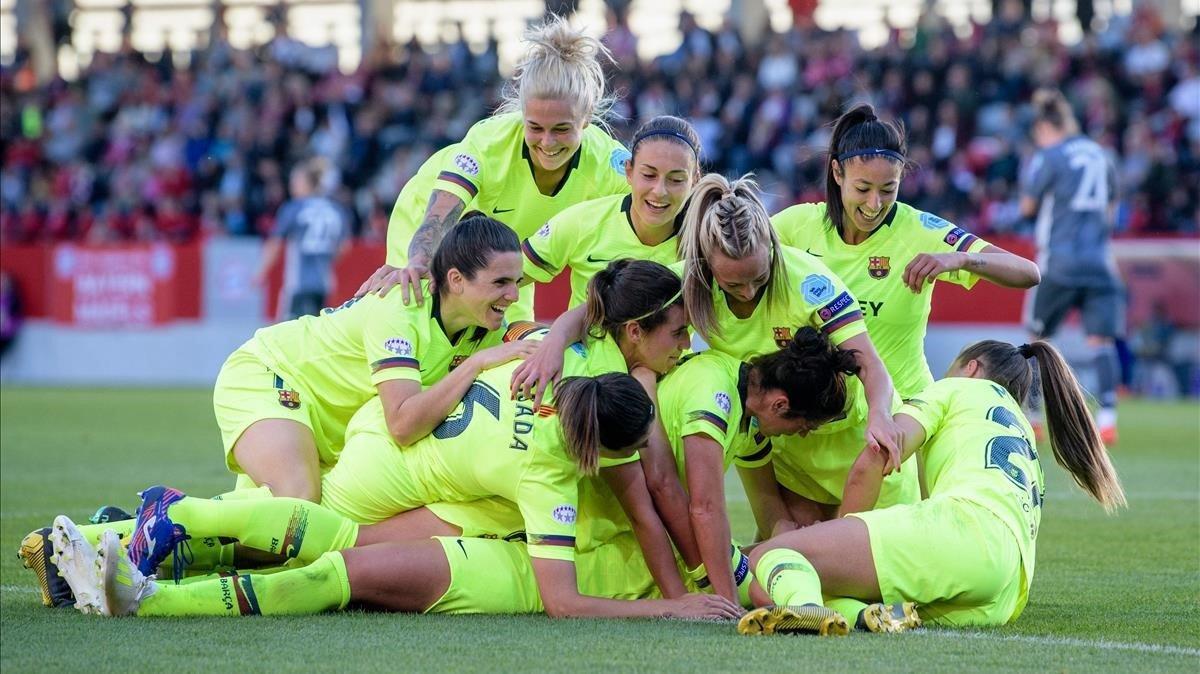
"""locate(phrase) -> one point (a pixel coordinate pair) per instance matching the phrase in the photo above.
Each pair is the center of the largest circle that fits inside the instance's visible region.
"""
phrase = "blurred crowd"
(140, 149)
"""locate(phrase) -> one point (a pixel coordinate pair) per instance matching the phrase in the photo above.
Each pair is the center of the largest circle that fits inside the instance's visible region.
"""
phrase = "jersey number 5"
(479, 394)
(1000, 450)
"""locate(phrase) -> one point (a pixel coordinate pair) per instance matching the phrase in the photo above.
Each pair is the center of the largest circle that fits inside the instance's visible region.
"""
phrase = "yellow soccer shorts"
(371, 482)
(487, 575)
(248, 391)
(957, 560)
(488, 517)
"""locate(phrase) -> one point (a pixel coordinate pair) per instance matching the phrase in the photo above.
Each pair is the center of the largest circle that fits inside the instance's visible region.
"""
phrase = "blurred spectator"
(10, 313)
(140, 149)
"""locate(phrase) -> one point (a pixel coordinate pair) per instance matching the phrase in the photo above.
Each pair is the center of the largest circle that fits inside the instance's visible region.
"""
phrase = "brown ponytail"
(611, 411)
(1074, 438)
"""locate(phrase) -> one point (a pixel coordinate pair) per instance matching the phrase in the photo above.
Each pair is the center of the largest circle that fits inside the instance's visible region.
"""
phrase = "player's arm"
(662, 478)
(558, 587)
(771, 515)
(866, 475)
(991, 263)
(877, 383)
(272, 249)
(706, 510)
(1028, 206)
(544, 367)
(628, 484)
(441, 214)
(412, 413)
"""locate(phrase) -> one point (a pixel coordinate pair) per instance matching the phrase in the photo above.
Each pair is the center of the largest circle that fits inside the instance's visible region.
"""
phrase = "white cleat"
(123, 587)
(76, 562)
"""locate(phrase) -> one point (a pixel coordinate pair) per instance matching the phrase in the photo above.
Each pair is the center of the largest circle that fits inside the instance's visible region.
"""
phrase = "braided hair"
(726, 217)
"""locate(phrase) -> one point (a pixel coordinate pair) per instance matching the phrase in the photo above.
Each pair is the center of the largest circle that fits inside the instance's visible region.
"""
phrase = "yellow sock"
(320, 586)
(789, 578)
(287, 526)
(849, 608)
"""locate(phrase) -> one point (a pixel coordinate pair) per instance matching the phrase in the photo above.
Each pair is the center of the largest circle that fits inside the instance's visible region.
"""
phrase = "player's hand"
(884, 436)
(501, 354)
(926, 267)
(703, 607)
(538, 372)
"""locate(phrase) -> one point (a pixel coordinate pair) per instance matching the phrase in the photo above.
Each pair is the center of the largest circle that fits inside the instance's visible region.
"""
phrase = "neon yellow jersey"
(874, 271)
(586, 237)
(341, 355)
(978, 448)
(816, 465)
(491, 445)
(706, 395)
(491, 171)
(812, 295)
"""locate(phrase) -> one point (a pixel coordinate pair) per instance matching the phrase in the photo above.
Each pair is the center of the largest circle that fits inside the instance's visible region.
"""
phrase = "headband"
(874, 152)
(664, 132)
(673, 300)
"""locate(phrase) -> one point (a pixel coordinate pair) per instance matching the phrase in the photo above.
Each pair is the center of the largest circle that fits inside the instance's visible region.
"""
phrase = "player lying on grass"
(637, 322)
(643, 224)
(965, 554)
(541, 152)
(495, 446)
(888, 253)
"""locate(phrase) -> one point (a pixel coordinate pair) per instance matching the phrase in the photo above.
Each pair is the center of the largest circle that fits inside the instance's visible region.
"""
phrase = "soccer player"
(965, 554)
(1070, 185)
(746, 294)
(310, 230)
(494, 445)
(889, 253)
(644, 224)
(284, 398)
(540, 153)
(716, 410)
(800, 480)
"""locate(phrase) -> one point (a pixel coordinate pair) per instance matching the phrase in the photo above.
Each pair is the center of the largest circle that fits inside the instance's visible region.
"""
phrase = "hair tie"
(1026, 351)
(872, 151)
(665, 132)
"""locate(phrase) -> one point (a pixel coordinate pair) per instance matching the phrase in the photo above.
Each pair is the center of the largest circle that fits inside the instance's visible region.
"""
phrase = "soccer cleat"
(806, 619)
(889, 618)
(76, 562)
(154, 535)
(123, 587)
(35, 553)
(106, 514)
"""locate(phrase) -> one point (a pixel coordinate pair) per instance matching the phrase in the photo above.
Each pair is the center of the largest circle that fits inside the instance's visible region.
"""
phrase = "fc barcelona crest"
(878, 267)
(783, 337)
(289, 399)
(456, 361)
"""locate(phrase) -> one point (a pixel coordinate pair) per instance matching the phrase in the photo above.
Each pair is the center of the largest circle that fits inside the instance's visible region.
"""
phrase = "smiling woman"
(541, 152)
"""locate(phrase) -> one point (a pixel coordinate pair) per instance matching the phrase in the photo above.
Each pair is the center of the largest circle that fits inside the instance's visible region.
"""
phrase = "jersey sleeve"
(706, 411)
(929, 407)
(798, 225)
(751, 448)
(548, 498)
(1036, 177)
(942, 236)
(392, 342)
(827, 303)
(550, 248)
(611, 176)
(285, 223)
(463, 167)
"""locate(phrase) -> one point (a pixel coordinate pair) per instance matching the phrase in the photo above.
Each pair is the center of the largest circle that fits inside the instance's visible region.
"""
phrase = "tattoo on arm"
(442, 214)
(976, 262)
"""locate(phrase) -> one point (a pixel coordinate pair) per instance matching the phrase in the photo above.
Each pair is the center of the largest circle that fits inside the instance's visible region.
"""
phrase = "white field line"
(1066, 641)
(23, 589)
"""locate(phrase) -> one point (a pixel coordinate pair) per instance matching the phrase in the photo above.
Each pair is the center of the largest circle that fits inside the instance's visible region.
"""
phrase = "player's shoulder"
(493, 136)
(601, 152)
(587, 211)
(801, 215)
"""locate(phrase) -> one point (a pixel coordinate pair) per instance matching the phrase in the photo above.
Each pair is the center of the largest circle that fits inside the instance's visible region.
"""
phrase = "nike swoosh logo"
(598, 259)
(463, 547)
(809, 251)
(503, 210)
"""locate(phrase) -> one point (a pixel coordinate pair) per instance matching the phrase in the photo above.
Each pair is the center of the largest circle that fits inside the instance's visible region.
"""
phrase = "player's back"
(1075, 182)
(314, 228)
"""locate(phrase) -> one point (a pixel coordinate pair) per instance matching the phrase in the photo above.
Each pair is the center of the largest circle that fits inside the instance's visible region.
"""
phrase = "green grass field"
(1112, 593)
